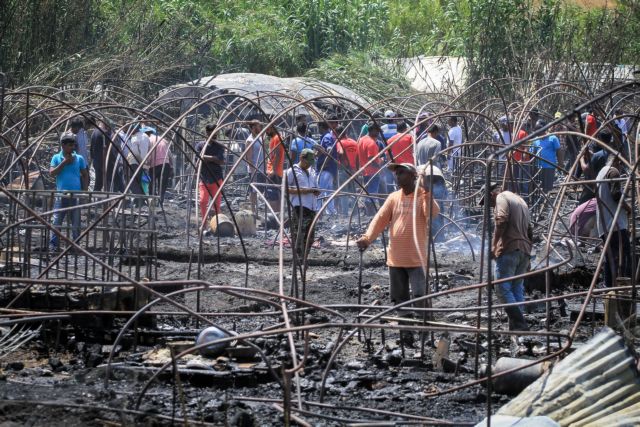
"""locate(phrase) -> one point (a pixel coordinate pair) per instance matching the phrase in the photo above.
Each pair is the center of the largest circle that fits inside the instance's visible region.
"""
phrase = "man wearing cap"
(434, 182)
(71, 174)
(511, 249)
(406, 254)
(302, 186)
(390, 128)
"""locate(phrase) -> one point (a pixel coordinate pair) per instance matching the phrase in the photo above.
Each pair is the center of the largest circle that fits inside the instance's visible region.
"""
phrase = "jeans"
(511, 264)
(326, 182)
(372, 184)
(345, 203)
(62, 202)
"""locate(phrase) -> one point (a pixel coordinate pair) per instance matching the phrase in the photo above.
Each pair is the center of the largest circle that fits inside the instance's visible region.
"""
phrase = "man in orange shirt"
(275, 168)
(367, 150)
(407, 252)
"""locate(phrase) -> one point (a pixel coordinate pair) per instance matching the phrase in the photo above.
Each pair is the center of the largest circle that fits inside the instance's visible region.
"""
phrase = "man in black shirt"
(593, 160)
(213, 157)
(98, 151)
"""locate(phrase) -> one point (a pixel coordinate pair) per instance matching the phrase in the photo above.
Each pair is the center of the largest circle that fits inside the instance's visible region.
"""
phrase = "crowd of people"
(395, 160)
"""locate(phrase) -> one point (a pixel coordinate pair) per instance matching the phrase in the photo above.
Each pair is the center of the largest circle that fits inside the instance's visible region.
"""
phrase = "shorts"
(273, 193)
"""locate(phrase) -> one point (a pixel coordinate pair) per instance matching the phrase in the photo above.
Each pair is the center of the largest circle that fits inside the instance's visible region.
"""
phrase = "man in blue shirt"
(390, 128)
(71, 174)
(548, 150)
(327, 166)
(300, 142)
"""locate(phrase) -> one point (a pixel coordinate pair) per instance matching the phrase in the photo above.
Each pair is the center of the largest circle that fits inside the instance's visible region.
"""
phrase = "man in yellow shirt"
(406, 254)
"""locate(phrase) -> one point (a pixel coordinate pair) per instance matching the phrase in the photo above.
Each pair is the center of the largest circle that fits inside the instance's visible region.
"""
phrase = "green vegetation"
(368, 76)
(65, 41)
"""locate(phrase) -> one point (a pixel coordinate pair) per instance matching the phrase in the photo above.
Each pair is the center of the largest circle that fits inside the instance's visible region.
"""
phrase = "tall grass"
(186, 39)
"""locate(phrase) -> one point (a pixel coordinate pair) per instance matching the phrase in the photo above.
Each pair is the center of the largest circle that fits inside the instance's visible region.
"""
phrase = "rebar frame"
(32, 118)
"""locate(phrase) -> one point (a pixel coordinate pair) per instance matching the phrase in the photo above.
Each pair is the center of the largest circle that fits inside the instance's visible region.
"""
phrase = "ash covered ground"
(58, 378)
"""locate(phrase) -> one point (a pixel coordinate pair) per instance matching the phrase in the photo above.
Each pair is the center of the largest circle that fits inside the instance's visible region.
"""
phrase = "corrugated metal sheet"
(596, 385)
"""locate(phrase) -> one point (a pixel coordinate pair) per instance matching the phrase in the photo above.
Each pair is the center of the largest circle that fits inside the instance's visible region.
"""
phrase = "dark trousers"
(99, 174)
(62, 202)
(302, 225)
(115, 180)
(406, 283)
(617, 261)
(160, 176)
(546, 179)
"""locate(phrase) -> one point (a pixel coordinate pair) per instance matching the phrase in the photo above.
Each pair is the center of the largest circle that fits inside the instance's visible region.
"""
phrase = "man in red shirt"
(521, 160)
(348, 157)
(347, 149)
(402, 145)
(367, 150)
(590, 123)
(275, 168)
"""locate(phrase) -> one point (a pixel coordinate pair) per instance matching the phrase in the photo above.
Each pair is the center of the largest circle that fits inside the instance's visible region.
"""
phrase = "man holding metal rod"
(407, 251)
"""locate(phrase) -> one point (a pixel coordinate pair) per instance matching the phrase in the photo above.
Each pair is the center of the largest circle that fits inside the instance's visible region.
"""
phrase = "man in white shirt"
(138, 148)
(455, 139)
(302, 186)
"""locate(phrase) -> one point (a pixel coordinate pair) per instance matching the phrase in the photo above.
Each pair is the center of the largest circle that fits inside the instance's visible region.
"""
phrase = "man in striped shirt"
(407, 251)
